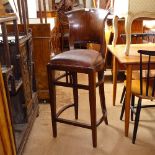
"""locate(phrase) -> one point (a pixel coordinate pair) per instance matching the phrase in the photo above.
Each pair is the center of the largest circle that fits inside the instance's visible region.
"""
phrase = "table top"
(133, 58)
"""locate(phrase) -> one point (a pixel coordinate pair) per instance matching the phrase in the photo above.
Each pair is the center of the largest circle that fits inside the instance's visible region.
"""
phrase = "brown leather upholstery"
(85, 26)
(79, 58)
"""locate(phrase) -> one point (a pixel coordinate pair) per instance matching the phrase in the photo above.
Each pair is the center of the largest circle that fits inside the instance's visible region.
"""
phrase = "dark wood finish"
(81, 61)
(41, 54)
(23, 103)
(66, 5)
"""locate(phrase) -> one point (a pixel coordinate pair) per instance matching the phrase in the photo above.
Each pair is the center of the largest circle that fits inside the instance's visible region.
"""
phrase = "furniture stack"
(17, 70)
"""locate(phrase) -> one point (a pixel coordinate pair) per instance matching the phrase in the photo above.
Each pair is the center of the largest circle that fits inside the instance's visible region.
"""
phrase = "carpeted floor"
(77, 141)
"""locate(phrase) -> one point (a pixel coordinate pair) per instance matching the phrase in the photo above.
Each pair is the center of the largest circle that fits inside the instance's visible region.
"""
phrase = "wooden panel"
(6, 131)
(41, 38)
(41, 56)
(137, 27)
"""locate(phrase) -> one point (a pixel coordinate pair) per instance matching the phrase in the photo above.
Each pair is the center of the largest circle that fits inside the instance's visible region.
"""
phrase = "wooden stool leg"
(52, 94)
(102, 97)
(92, 102)
(75, 94)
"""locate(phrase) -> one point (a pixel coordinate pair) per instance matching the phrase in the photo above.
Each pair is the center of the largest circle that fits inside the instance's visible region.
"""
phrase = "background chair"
(85, 26)
(143, 88)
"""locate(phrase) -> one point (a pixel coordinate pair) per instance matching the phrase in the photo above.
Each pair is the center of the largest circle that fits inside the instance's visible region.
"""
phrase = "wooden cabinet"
(41, 41)
(7, 143)
(17, 70)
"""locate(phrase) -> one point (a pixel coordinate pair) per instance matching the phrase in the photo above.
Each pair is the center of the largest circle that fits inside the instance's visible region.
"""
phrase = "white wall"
(32, 8)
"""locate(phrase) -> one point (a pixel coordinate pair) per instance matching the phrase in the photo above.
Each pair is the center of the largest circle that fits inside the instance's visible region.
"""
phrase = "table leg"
(127, 98)
(115, 68)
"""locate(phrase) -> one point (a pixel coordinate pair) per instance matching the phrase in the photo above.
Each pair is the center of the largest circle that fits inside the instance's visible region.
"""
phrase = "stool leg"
(52, 94)
(92, 102)
(102, 97)
(75, 94)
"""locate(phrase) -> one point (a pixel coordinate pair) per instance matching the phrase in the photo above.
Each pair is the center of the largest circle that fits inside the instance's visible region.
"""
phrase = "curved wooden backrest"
(87, 25)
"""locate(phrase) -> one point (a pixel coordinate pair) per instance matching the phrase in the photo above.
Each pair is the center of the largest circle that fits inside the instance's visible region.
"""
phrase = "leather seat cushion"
(78, 58)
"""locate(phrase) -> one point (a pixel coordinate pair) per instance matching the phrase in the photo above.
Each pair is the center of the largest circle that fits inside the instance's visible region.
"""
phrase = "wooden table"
(130, 63)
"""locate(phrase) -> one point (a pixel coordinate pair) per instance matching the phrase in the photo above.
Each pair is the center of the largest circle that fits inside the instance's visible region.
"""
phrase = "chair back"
(147, 84)
(87, 26)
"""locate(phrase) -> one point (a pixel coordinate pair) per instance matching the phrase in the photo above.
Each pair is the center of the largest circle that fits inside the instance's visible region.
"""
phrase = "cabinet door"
(7, 143)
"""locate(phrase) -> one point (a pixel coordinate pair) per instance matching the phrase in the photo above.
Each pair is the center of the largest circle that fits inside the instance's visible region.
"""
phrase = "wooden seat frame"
(73, 70)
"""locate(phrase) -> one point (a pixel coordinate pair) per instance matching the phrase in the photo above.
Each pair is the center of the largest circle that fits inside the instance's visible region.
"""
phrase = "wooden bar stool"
(85, 26)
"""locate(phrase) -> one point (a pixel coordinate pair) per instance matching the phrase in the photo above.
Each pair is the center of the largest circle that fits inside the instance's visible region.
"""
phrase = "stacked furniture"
(131, 10)
(17, 70)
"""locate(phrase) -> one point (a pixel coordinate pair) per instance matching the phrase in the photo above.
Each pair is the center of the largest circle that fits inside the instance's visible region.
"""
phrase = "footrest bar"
(74, 123)
(63, 109)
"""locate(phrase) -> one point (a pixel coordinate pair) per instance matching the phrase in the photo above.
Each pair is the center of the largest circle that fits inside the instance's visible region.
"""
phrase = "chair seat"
(84, 58)
(136, 87)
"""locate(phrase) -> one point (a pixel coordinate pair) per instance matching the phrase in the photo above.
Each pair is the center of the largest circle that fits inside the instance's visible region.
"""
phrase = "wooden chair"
(136, 38)
(143, 88)
(85, 25)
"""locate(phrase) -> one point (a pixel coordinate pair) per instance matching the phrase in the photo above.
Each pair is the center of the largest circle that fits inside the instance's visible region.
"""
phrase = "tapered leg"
(136, 121)
(127, 98)
(52, 94)
(102, 96)
(123, 94)
(92, 102)
(75, 94)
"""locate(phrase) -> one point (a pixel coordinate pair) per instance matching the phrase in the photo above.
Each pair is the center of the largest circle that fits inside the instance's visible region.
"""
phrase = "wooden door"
(7, 143)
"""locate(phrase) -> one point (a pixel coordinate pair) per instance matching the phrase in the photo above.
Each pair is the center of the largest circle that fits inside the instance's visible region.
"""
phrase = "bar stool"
(85, 26)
